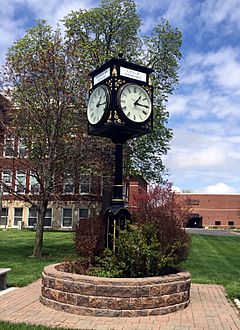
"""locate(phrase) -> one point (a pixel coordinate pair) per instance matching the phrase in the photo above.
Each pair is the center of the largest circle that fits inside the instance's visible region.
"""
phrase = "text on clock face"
(135, 103)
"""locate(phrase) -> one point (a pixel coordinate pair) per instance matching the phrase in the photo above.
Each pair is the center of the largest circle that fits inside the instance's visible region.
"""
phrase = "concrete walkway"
(209, 309)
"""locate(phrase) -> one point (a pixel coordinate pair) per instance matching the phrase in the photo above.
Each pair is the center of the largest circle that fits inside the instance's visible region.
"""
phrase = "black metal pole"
(117, 197)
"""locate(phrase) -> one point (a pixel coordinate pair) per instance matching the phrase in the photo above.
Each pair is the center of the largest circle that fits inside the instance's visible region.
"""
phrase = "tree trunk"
(41, 212)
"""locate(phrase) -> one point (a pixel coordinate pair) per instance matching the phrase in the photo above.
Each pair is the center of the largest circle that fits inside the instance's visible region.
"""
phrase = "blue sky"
(205, 109)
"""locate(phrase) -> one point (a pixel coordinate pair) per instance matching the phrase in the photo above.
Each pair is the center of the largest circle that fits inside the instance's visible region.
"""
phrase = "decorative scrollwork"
(119, 83)
(148, 89)
(109, 83)
(109, 118)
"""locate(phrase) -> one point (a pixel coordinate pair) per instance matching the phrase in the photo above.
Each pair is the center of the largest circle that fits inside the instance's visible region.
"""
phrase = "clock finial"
(120, 56)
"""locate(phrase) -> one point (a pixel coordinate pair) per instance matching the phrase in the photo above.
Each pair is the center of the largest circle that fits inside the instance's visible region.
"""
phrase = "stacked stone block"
(98, 296)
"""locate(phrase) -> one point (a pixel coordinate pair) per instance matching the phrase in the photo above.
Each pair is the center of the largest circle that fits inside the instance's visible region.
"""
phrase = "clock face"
(135, 103)
(97, 104)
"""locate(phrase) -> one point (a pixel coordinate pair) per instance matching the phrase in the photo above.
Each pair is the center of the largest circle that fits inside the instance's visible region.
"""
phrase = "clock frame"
(134, 103)
(115, 75)
(98, 105)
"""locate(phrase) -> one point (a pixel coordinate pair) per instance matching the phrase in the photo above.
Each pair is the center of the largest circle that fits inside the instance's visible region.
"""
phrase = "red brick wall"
(137, 186)
(212, 208)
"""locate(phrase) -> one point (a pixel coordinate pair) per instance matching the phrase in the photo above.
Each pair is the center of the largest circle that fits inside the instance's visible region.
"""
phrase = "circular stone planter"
(102, 296)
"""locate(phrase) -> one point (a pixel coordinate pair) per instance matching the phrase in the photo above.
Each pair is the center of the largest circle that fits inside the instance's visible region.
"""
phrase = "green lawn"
(213, 259)
(216, 259)
(23, 326)
(16, 248)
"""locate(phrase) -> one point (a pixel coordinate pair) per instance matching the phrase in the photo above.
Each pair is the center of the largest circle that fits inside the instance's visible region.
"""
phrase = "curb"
(7, 290)
(237, 303)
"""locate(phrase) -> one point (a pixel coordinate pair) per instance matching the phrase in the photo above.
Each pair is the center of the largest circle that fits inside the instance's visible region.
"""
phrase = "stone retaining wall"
(101, 296)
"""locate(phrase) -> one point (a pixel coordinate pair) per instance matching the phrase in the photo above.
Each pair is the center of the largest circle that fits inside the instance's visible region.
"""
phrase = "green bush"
(138, 254)
(155, 244)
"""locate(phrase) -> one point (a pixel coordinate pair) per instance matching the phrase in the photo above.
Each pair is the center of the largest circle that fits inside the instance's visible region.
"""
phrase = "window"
(48, 218)
(18, 213)
(231, 223)
(66, 217)
(32, 217)
(22, 149)
(7, 180)
(83, 213)
(85, 183)
(9, 145)
(4, 216)
(68, 185)
(217, 223)
(20, 182)
(34, 185)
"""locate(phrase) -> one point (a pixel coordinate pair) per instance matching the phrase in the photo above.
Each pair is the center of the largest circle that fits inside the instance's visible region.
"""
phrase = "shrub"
(161, 208)
(89, 237)
(156, 242)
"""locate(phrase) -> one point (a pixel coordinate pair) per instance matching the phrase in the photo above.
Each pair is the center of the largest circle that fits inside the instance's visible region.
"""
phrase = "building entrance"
(195, 221)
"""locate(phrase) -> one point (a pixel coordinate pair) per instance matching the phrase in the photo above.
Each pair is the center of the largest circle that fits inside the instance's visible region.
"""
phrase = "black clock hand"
(135, 103)
(141, 105)
(98, 105)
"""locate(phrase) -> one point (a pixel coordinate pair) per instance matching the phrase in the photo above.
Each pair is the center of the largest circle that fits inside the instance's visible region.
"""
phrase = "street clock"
(120, 104)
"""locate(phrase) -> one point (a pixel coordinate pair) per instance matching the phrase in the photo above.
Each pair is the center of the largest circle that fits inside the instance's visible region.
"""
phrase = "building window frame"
(22, 149)
(34, 186)
(20, 182)
(9, 146)
(7, 179)
(34, 216)
(17, 218)
(68, 185)
(65, 217)
(81, 212)
(4, 217)
(85, 184)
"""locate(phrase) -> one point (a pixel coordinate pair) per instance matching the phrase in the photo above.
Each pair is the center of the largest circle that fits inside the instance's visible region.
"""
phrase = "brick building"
(76, 198)
(213, 210)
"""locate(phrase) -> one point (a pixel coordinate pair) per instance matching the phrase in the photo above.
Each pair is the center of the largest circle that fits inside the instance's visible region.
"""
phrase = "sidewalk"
(209, 309)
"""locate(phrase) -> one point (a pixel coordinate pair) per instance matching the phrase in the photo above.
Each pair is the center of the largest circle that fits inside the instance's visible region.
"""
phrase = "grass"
(23, 326)
(215, 260)
(16, 248)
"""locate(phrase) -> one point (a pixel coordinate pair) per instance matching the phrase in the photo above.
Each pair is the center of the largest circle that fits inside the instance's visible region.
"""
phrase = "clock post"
(120, 107)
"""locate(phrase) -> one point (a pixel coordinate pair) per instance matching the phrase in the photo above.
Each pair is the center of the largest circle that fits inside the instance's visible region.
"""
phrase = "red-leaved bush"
(161, 208)
(89, 237)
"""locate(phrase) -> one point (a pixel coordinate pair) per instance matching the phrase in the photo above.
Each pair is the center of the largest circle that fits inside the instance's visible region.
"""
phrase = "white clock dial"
(135, 103)
(97, 104)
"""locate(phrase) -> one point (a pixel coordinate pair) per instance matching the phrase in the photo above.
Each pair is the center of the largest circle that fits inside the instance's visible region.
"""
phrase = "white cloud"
(218, 188)
(214, 13)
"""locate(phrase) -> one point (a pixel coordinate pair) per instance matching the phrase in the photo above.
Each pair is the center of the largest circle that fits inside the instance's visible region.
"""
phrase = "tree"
(47, 76)
(48, 95)
(112, 28)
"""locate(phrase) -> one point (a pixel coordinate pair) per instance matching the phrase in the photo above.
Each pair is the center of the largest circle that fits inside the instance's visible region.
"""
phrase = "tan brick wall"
(97, 296)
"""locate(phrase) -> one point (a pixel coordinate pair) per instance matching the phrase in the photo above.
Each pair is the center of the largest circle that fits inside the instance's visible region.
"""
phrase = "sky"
(205, 108)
